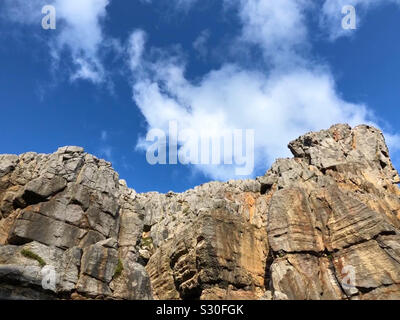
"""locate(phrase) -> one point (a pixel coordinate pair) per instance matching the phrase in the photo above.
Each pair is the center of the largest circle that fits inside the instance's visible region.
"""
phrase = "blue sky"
(113, 70)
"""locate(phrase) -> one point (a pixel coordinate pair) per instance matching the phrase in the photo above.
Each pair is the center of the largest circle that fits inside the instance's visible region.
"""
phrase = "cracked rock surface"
(322, 225)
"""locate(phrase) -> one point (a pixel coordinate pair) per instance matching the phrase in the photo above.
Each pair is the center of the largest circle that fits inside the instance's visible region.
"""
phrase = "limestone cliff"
(322, 225)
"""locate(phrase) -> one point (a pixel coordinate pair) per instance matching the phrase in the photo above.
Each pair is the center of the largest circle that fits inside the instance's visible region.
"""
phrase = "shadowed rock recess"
(322, 225)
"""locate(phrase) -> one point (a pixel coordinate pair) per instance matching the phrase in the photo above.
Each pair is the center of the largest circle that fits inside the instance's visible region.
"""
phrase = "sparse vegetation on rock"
(31, 255)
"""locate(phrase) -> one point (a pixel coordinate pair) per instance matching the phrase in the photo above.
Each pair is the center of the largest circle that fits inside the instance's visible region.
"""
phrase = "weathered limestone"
(223, 250)
(322, 225)
(66, 203)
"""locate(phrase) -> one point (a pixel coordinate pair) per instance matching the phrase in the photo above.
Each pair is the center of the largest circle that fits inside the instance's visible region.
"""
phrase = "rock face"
(322, 225)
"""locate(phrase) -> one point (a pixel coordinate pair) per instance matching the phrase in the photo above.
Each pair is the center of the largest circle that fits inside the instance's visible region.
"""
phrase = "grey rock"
(69, 270)
(27, 275)
(39, 189)
(7, 164)
(70, 149)
(33, 226)
(92, 287)
(99, 261)
(322, 225)
(133, 283)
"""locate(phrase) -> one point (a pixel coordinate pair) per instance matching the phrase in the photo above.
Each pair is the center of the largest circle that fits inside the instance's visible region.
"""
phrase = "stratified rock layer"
(322, 225)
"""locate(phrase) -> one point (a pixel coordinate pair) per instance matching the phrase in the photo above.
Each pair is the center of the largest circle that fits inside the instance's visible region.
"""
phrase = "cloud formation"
(280, 102)
(181, 5)
(79, 31)
(278, 27)
(82, 35)
(200, 44)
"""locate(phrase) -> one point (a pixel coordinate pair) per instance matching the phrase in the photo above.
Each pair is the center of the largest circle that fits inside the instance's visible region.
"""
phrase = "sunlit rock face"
(322, 225)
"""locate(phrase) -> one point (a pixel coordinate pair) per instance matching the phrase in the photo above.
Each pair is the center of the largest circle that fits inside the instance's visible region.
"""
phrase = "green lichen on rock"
(118, 269)
(147, 243)
(31, 255)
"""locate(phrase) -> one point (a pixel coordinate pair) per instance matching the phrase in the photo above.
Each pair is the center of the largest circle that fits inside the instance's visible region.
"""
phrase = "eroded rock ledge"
(294, 233)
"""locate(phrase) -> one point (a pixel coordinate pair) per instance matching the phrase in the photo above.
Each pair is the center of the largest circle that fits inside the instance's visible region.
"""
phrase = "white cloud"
(183, 5)
(136, 44)
(82, 35)
(200, 44)
(393, 142)
(104, 135)
(290, 97)
(107, 152)
(105, 149)
(24, 12)
(280, 105)
(278, 27)
(78, 30)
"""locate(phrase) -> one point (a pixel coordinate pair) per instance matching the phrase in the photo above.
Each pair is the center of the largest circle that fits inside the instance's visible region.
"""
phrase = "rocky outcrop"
(322, 225)
(66, 209)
